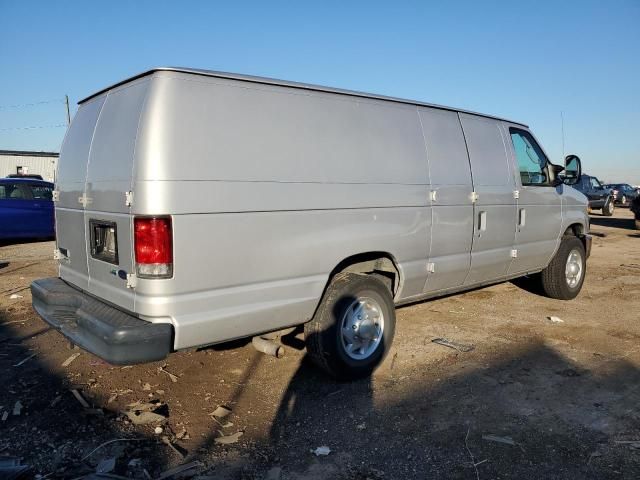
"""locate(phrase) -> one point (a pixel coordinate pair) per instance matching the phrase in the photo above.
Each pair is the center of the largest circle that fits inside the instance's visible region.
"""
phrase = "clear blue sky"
(523, 60)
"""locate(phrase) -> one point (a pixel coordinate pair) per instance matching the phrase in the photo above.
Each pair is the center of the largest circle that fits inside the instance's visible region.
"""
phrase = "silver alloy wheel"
(610, 206)
(573, 268)
(362, 328)
(623, 201)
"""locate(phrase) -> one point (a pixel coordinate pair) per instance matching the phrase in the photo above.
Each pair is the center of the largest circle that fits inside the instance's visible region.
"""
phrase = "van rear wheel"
(564, 276)
(353, 328)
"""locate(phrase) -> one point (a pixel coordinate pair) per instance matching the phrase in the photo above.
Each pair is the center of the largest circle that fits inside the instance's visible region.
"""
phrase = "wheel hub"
(573, 268)
(362, 328)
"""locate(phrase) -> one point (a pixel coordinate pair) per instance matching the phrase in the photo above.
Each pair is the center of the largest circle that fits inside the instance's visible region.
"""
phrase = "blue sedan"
(26, 209)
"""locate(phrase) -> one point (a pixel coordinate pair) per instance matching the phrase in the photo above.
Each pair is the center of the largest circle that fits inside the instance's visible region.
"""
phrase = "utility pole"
(66, 101)
(561, 120)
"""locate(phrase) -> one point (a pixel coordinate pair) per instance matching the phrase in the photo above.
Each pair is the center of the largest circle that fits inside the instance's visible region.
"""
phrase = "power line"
(24, 105)
(32, 127)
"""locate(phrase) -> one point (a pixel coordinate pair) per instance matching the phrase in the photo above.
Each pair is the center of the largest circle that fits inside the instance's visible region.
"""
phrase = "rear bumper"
(115, 336)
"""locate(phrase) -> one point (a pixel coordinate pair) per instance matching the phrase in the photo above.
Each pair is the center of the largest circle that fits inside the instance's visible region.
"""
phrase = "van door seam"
(132, 184)
(511, 167)
(426, 153)
(473, 205)
(86, 180)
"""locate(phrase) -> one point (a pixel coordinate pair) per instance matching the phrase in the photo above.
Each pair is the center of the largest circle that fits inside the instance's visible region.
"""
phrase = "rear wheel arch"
(379, 263)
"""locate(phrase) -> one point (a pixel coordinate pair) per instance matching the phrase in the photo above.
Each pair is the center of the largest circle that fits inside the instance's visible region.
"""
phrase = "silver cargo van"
(195, 207)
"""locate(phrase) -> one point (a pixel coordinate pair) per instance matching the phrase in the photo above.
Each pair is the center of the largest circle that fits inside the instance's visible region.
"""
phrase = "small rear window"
(41, 192)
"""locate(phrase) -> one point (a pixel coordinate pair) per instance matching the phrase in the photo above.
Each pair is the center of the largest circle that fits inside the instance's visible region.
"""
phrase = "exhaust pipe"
(268, 346)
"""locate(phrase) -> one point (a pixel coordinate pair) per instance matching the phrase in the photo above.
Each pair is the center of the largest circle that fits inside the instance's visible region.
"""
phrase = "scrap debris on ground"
(461, 347)
(553, 399)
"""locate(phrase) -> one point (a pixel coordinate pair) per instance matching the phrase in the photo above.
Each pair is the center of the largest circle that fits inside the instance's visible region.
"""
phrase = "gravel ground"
(534, 399)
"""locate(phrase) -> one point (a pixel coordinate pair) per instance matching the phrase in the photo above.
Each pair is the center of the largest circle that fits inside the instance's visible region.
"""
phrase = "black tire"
(323, 334)
(554, 280)
(608, 208)
(637, 224)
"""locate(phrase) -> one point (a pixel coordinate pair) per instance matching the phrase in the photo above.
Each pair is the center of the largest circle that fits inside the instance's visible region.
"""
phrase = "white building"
(28, 163)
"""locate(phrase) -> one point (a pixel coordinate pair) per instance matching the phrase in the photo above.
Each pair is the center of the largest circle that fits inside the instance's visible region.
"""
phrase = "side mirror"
(572, 170)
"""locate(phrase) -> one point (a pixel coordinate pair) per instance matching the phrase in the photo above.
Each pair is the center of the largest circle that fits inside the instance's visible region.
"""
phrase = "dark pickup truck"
(600, 198)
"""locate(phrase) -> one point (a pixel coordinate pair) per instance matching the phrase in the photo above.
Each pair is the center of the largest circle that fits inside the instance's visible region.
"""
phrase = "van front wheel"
(352, 330)
(564, 276)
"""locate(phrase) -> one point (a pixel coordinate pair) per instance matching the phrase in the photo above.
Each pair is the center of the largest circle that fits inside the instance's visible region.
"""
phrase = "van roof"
(285, 83)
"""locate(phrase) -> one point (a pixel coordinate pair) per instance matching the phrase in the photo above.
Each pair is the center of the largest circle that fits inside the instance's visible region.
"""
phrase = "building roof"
(26, 153)
(285, 83)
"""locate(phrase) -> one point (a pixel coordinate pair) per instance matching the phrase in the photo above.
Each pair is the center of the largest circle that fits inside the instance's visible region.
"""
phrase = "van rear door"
(107, 222)
(70, 183)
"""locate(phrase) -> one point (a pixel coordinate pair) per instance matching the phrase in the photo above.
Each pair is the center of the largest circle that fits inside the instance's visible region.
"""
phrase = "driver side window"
(532, 162)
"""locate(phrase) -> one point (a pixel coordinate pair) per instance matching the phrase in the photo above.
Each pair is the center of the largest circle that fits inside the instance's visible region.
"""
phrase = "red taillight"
(153, 247)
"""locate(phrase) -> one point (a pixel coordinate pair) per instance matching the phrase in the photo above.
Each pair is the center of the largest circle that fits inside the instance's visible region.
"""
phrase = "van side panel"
(192, 197)
(452, 210)
(270, 188)
(238, 274)
(224, 130)
(574, 211)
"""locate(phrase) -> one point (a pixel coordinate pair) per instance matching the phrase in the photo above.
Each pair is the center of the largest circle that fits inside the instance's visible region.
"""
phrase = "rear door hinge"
(128, 198)
(474, 197)
(516, 194)
(132, 280)
(55, 196)
(433, 195)
(514, 253)
(431, 267)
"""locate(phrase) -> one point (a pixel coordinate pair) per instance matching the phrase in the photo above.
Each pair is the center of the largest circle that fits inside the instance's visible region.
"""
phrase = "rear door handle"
(522, 217)
(482, 222)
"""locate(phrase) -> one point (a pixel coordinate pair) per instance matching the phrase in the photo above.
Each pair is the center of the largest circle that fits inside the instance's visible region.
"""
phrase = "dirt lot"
(563, 399)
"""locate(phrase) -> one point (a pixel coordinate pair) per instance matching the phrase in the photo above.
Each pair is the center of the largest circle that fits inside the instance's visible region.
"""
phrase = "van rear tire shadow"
(531, 284)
